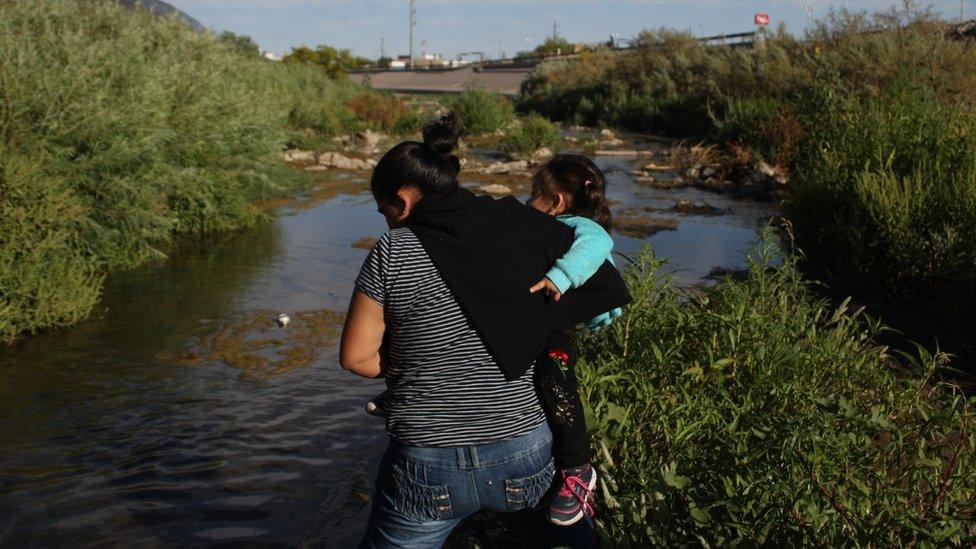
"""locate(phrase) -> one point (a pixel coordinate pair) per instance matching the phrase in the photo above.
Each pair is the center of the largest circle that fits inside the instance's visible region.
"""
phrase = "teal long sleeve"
(592, 246)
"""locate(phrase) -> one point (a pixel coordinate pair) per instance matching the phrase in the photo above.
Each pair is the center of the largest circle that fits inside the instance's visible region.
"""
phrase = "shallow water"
(181, 414)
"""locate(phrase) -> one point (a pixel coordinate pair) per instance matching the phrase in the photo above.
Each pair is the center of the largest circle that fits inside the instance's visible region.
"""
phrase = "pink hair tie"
(587, 183)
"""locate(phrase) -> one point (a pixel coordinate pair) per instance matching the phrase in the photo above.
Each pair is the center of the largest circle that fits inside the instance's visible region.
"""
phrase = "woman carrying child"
(442, 311)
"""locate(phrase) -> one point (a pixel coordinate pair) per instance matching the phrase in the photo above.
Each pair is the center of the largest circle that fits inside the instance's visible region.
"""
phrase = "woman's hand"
(362, 337)
(548, 288)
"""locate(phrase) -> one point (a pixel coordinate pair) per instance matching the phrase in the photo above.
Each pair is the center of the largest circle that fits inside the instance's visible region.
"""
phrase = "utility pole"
(413, 23)
(555, 30)
(382, 47)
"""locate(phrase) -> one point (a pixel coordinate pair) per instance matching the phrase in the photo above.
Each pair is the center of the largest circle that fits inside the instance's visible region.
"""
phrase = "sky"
(495, 27)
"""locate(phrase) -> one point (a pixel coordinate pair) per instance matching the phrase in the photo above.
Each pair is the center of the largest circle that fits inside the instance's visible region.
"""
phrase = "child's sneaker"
(377, 405)
(574, 498)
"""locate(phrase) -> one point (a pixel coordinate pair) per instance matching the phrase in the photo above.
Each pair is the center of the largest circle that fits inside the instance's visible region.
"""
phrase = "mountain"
(162, 8)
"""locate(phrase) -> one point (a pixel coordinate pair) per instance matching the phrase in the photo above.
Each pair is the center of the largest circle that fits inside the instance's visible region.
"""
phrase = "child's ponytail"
(581, 179)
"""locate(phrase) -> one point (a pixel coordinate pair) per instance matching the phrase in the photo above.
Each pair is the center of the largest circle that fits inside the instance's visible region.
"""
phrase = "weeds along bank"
(883, 201)
(119, 130)
(873, 117)
(753, 414)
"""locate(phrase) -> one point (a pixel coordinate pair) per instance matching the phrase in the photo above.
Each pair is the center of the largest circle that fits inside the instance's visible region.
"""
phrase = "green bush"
(884, 198)
(45, 278)
(117, 130)
(411, 122)
(481, 112)
(751, 414)
(533, 133)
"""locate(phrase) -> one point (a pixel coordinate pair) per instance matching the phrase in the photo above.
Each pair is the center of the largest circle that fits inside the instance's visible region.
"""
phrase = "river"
(179, 414)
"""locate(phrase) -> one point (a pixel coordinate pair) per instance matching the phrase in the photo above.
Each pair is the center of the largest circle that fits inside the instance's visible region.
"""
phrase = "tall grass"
(118, 130)
(751, 414)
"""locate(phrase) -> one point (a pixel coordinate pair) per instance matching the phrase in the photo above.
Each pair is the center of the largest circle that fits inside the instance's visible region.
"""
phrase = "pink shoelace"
(570, 483)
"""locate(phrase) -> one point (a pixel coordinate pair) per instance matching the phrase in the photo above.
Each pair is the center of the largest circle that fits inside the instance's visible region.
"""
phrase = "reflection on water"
(181, 414)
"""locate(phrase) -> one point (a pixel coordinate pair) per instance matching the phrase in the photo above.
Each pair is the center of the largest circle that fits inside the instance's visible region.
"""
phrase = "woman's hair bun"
(441, 135)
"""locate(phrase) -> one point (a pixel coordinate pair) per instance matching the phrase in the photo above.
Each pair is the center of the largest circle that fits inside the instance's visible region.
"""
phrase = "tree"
(552, 46)
(241, 43)
(334, 62)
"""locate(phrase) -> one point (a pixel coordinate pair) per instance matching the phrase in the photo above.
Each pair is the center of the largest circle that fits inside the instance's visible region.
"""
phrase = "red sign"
(762, 19)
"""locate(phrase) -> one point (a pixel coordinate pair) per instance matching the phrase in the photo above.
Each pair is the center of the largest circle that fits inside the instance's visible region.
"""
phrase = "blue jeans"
(424, 493)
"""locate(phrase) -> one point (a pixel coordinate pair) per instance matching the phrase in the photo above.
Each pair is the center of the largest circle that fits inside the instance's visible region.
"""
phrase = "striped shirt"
(445, 387)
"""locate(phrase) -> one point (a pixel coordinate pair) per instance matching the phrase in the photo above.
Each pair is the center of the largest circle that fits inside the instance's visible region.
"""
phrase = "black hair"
(577, 176)
(430, 167)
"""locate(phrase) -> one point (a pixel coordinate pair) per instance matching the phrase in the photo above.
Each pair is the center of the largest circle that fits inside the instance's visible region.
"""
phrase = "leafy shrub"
(377, 110)
(751, 414)
(44, 278)
(533, 133)
(481, 112)
(119, 129)
(884, 199)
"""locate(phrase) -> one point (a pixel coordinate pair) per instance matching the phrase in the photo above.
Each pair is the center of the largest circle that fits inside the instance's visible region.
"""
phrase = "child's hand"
(548, 288)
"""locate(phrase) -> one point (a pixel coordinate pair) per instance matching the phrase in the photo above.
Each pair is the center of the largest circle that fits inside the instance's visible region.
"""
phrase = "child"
(573, 189)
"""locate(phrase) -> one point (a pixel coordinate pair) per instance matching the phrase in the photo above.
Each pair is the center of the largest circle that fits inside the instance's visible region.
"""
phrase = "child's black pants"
(555, 381)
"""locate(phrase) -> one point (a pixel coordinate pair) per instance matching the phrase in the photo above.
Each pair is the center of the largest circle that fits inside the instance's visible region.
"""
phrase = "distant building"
(271, 56)
(424, 61)
(428, 60)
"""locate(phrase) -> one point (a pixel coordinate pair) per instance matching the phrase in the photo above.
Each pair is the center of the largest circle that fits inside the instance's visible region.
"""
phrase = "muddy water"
(181, 413)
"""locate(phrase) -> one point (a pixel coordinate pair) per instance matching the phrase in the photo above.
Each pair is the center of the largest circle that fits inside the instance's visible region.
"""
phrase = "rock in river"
(542, 154)
(338, 161)
(503, 167)
(298, 155)
(370, 139)
(496, 189)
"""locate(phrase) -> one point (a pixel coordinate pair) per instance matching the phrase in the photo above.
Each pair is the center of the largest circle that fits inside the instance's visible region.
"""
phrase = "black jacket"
(490, 252)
